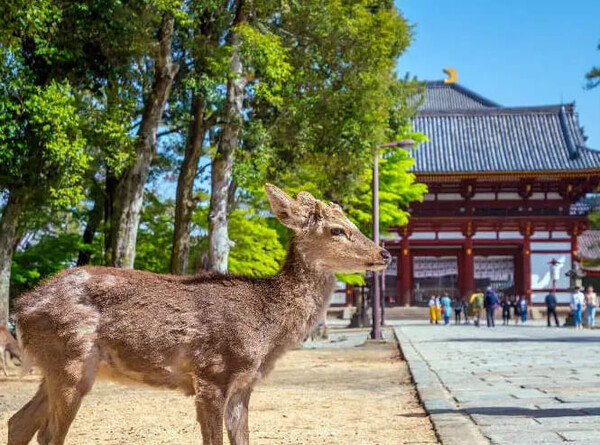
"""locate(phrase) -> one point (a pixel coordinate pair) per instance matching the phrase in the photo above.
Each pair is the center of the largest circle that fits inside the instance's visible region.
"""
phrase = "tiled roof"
(589, 244)
(452, 96)
(485, 137)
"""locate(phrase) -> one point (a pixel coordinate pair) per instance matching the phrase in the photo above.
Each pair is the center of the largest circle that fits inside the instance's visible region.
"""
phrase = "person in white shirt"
(577, 305)
(591, 302)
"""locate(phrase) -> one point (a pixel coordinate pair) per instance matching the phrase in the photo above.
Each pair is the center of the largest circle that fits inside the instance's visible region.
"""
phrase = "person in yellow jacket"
(433, 311)
(476, 306)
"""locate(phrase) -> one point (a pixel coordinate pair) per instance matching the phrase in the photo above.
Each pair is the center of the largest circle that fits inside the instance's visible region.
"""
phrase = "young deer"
(8, 344)
(212, 336)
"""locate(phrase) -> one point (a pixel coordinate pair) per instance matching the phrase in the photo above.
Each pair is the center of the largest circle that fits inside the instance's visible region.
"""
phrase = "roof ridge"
(547, 109)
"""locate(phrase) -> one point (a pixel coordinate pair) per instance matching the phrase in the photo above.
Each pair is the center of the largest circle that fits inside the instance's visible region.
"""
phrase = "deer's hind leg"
(24, 424)
(66, 387)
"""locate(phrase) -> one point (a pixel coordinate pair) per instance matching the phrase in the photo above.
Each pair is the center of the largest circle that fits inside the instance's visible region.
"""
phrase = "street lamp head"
(400, 143)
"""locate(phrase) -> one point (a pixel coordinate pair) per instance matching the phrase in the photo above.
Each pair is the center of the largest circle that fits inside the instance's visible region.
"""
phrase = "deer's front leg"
(236, 416)
(210, 406)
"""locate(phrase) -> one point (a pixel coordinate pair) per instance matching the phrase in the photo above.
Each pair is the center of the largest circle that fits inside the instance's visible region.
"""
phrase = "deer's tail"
(26, 360)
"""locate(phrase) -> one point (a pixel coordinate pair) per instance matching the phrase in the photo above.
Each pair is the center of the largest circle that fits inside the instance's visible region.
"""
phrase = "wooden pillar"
(404, 271)
(526, 261)
(468, 268)
(574, 244)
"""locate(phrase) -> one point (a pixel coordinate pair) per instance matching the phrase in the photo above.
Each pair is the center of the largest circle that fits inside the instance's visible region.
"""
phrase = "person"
(465, 306)
(591, 303)
(432, 310)
(577, 304)
(446, 304)
(438, 307)
(516, 304)
(523, 309)
(476, 306)
(505, 303)
(490, 302)
(458, 308)
(551, 308)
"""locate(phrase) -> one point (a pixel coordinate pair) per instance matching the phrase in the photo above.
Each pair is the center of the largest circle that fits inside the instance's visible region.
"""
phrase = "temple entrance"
(497, 271)
(433, 276)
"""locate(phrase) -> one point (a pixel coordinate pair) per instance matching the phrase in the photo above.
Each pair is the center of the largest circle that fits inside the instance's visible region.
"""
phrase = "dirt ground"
(341, 395)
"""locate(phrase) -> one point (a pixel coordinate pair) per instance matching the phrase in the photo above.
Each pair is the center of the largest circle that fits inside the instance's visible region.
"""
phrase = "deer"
(10, 345)
(212, 336)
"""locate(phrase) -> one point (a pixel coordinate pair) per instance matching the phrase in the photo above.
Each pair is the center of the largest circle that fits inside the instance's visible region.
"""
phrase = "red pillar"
(468, 279)
(574, 244)
(526, 258)
(404, 271)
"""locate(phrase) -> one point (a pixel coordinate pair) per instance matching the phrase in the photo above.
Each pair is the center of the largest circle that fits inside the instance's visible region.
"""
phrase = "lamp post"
(554, 273)
(376, 300)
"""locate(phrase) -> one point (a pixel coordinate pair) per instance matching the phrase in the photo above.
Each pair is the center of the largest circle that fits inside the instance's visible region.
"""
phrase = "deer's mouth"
(377, 266)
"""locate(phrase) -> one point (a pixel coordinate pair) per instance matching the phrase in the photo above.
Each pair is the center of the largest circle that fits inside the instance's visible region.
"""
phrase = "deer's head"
(324, 236)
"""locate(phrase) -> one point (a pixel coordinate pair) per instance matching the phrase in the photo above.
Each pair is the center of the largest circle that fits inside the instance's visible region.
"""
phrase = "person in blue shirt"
(490, 303)
(446, 303)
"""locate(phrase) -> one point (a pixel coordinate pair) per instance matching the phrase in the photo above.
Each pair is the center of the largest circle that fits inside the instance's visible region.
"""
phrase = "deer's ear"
(284, 207)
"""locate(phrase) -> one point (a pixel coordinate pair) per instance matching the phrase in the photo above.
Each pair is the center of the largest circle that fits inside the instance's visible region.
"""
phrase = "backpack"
(490, 301)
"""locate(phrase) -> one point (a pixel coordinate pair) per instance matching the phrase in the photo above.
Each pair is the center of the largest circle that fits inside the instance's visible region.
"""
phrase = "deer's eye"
(337, 231)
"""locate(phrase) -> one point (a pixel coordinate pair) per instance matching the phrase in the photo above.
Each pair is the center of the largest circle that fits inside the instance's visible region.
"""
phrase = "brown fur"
(212, 336)
(10, 345)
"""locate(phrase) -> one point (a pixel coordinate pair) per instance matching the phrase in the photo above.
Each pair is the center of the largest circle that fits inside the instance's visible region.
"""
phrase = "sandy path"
(353, 395)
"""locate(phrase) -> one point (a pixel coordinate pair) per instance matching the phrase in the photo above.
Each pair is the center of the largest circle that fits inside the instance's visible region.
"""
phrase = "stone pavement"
(508, 385)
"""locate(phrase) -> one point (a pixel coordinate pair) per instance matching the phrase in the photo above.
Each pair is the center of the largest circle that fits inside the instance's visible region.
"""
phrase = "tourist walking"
(551, 308)
(446, 304)
(523, 309)
(458, 307)
(577, 304)
(506, 305)
(591, 303)
(432, 310)
(476, 306)
(516, 305)
(490, 302)
(465, 307)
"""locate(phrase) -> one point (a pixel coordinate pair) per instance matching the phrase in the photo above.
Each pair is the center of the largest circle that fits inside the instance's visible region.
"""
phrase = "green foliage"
(42, 149)
(155, 234)
(257, 251)
(593, 76)
(397, 189)
(48, 255)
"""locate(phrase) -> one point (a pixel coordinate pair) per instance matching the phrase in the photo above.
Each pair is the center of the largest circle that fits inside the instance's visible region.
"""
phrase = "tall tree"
(222, 163)
(129, 189)
(42, 151)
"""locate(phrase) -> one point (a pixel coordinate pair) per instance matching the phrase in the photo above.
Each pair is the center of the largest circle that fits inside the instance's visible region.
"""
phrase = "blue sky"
(527, 52)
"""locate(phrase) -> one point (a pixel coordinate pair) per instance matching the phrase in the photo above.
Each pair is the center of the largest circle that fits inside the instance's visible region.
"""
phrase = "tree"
(42, 151)
(129, 188)
(593, 76)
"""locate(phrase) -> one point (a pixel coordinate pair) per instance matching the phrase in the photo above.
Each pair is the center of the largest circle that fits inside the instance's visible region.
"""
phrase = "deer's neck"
(306, 288)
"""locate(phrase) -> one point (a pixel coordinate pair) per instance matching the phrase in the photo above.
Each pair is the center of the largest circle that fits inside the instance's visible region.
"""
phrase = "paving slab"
(508, 385)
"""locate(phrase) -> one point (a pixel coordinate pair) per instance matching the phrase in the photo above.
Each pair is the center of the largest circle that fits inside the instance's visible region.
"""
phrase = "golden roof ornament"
(452, 76)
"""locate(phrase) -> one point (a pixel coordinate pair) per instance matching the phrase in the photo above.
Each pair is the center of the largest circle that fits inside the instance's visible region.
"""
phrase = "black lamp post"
(376, 300)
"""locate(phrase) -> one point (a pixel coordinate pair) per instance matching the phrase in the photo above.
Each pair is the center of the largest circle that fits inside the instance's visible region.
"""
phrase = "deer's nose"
(387, 257)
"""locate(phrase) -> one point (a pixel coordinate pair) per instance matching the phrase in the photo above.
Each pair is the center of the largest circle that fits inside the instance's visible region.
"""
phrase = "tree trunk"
(94, 220)
(8, 233)
(184, 202)
(222, 165)
(128, 200)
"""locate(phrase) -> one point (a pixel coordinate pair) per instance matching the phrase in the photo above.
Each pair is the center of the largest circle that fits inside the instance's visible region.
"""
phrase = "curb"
(452, 425)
